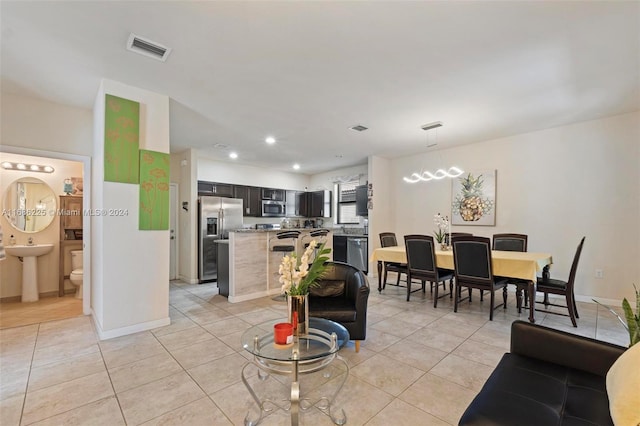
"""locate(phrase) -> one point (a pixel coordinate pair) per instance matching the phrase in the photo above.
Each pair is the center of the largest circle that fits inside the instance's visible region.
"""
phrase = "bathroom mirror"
(29, 205)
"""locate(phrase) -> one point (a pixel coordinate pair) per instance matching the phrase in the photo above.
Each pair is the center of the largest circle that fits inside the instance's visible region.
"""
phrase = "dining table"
(510, 264)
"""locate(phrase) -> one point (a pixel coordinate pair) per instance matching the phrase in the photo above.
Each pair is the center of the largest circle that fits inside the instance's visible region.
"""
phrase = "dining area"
(465, 263)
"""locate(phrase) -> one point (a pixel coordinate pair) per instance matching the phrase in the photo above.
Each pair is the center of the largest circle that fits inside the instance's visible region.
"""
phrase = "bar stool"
(286, 248)
(320, 235)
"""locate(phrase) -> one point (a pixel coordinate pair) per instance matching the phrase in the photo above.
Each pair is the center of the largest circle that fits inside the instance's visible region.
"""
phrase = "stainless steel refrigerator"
(216, 217)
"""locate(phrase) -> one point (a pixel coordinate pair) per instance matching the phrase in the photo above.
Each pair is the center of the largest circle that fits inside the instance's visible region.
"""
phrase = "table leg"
(295, 395)
(531, 288)
(379, 276)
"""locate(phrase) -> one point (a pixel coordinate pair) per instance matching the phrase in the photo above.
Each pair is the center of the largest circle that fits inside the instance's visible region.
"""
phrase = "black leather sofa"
(549, 378)
(341, 296)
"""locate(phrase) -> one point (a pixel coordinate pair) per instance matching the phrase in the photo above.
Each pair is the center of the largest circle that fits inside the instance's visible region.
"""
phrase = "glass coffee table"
(307, 354)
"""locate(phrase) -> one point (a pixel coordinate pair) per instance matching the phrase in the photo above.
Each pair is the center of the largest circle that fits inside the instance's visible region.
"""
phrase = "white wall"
(555, 185)
(130, 278)
(48, 268)
(33, 123)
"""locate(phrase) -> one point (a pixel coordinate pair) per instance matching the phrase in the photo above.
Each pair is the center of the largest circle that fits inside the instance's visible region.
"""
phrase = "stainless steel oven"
(273, 208)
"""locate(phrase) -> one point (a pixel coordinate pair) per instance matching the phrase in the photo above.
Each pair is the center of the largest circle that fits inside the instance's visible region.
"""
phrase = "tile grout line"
(26, 389)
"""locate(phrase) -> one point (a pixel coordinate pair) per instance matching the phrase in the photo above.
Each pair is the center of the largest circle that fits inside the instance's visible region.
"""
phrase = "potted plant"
(632, 323)
(442, 227)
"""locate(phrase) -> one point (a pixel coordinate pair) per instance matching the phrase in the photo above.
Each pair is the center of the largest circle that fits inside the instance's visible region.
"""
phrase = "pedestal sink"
(29, 267)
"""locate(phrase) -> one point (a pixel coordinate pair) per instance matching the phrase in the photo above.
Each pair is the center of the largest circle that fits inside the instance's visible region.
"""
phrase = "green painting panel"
(121, 140)
(154, 190)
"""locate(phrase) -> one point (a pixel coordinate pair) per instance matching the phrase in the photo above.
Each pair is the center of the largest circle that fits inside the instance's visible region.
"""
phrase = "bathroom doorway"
(68, 169)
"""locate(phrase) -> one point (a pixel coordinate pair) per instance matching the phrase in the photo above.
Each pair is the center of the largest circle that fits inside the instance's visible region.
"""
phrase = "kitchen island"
(253, 266)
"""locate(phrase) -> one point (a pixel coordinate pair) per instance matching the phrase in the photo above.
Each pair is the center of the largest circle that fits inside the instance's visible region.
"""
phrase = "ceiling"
(304, 72)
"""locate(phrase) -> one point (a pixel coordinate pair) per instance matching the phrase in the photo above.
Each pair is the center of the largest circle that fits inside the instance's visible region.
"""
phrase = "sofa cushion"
(527, 391)
(623, 383)
(332, 308)
(328, 288)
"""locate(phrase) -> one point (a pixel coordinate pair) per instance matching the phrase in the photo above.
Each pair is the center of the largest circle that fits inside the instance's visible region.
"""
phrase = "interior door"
(173, 225)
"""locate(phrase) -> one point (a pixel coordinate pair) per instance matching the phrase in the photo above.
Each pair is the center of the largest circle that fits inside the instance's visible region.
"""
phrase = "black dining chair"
(421, 264)
(548, 286)
(514, 242)
(510, 242)
(388, 239)
(472, 263)
(454, 235)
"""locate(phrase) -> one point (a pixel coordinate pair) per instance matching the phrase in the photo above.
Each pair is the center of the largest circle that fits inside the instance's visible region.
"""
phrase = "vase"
(298, 313)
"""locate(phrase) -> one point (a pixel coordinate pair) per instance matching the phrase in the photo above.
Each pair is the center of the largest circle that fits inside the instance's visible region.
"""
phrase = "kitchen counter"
(253, 266)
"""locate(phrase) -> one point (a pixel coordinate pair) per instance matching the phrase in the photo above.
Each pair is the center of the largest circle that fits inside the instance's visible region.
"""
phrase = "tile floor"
(419, 365)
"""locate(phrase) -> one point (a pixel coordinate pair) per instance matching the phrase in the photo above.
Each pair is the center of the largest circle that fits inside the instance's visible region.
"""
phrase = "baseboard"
(123, 331)
(188, 280)
(10, 299)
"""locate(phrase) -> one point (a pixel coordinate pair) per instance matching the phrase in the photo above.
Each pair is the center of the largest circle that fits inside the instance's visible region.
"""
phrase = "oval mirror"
(29, 204)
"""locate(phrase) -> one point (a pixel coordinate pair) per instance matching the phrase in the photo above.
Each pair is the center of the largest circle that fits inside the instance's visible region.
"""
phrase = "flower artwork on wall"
(121, 140)
(154, 190)
(474, 199)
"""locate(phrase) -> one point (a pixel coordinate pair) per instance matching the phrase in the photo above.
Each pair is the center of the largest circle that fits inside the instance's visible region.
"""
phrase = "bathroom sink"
(29, 267)
(24, 251)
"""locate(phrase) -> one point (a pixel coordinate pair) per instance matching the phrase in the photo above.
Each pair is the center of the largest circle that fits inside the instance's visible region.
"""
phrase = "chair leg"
(435, 297)
(456, 298)
(481, 295)
(424, 286)
(357, 345)
(398, 280)
(572, 313)
(546, 300)
(519, 298)
(451, 288)
(408, 287)
(493, 299)
(504, 297)
(575, 307)
(430, 287)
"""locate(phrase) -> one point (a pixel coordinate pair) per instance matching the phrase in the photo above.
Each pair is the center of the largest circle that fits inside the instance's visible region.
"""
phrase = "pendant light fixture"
(425, 176)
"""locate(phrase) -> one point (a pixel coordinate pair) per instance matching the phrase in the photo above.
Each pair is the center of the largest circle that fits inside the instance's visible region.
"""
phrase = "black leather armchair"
(550, 377)
(341, 296)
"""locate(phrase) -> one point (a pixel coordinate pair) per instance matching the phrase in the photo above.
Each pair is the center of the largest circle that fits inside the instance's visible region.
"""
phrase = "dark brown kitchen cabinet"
(251, 199)
(215, 189)
(319, 204)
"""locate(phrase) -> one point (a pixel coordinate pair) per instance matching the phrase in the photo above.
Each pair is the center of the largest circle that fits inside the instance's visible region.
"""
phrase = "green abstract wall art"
(121, 140)
(154, 190)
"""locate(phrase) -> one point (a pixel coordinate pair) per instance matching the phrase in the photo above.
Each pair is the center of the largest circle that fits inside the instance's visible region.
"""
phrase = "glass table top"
(317, 343)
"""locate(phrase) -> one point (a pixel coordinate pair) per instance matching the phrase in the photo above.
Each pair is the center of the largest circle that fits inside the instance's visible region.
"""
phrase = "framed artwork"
(474, 198)
(121, 134)
(154, 190)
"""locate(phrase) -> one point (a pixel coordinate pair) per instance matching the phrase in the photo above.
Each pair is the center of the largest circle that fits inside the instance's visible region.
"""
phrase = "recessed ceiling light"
(296, 166)
(270, 140)
(233, 155)
(359, 128)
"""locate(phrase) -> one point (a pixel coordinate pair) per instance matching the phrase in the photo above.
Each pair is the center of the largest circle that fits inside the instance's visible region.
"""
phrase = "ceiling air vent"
(147, 47)
(359, 128)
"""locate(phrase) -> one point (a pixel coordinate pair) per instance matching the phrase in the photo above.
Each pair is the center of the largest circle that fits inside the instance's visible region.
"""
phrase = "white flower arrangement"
(296, 275)
(442, 226)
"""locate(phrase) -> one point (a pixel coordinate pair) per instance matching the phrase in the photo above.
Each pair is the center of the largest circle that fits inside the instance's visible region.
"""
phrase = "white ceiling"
(305, 72)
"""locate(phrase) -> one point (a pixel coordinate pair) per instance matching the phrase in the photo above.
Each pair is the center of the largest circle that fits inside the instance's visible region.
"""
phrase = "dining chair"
(421, 264)
(388, 239)
(514, 242)
(548, 286)
(454, 235)
(472, 267)
(510, 242)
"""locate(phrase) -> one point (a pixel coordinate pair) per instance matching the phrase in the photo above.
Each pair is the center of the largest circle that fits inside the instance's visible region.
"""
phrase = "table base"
(295, 403)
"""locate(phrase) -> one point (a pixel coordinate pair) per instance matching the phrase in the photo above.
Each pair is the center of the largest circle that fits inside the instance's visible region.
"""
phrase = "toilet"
(76, 271)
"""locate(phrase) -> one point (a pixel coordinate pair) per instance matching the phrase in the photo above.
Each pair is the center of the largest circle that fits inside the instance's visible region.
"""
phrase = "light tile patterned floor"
(419, 365)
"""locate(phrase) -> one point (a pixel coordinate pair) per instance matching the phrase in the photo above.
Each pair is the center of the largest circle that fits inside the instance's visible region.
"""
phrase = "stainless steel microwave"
(273, 208)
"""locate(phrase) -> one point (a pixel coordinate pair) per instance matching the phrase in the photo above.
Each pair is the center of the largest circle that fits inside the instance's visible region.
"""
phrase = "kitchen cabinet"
(214, 188)
(340, 248)
(251, 199)
(319, 204)
(273, 194)
(362, 199)
(296, 203)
